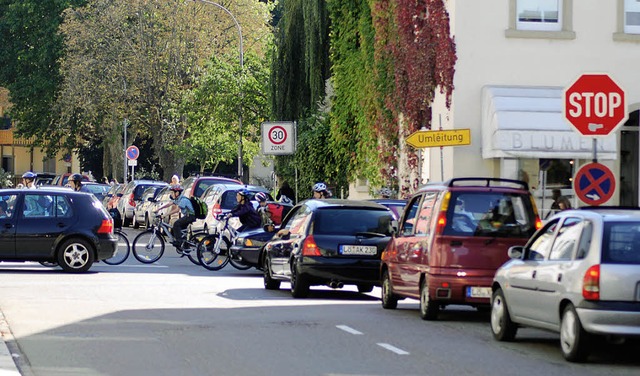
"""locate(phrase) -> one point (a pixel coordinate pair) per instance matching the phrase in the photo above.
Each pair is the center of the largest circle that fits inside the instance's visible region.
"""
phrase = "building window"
(543, 15)
(548, 19)
(632, 16)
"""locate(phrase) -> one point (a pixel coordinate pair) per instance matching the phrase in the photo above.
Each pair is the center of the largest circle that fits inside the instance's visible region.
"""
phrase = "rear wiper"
(369, 234)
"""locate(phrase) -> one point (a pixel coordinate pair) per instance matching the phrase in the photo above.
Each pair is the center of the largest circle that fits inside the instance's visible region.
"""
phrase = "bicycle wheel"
(192, 253)
(213, 252)
(148, 247)
(122, 250)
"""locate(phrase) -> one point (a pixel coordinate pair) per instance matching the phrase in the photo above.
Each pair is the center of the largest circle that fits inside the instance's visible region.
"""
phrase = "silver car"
(579, 275)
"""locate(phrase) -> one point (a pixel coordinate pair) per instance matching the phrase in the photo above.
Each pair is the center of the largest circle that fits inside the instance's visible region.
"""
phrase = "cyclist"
(183, 205)
(385, 192)
(320, 191)
(29, 179)
(245, 211)
(263, 209)
(75, 181)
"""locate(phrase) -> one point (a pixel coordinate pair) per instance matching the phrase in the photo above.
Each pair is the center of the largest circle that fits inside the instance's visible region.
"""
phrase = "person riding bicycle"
(263, 210)
(181, 204)
(29, 179)
(245, 211)
(75, 181)
(320, 191)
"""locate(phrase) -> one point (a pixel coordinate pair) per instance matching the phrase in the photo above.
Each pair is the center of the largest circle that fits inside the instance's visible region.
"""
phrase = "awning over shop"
(527, 122)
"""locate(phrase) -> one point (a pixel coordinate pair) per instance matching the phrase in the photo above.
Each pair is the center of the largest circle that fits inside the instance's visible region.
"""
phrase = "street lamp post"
(240, 167)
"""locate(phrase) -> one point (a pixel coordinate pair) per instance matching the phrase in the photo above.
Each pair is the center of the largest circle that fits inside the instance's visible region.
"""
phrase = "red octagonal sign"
(595, 105)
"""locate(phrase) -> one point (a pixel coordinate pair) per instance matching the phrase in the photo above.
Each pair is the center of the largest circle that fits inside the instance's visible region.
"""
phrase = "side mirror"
(394, 226)
(516, 252)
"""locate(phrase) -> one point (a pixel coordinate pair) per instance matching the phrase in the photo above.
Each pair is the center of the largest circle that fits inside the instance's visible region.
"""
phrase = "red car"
(452, 238)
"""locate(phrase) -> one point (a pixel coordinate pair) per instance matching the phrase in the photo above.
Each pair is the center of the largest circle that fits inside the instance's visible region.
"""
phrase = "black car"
(328, 242)
(55, 225)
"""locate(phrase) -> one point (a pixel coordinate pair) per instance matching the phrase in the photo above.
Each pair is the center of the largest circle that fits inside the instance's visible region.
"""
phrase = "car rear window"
(340, 221)
(621, 243)
(492, 214)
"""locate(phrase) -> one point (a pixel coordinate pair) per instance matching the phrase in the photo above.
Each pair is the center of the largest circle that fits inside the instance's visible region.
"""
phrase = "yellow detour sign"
(430, 139)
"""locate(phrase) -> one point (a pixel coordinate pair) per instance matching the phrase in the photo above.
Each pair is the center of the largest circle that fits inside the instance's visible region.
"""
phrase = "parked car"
(112, 201)
(221, 198)
(131, 197)
(44, 178)
(71, 229)
(579, 276)
(97, 189)
(62, 180)
(248, 245)
(328, 242)
(196, 185)
(395, 205)
(452, 238)
(142, 213)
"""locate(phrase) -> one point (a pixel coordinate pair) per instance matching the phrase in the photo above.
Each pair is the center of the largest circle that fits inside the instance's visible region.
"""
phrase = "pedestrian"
(287, 192)
(175, 180)
(563, 203)
(105, 180)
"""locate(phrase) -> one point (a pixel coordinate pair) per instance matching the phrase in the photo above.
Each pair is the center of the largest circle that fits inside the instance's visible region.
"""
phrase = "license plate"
(478, 292)
(368, 250)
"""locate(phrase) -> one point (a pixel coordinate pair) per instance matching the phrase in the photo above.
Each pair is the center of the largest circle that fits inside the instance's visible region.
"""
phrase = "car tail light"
(442, 215)
(538, 223)
(215, 209)
(309, 247)
(591, 283)
(106, 227)
(131, 201)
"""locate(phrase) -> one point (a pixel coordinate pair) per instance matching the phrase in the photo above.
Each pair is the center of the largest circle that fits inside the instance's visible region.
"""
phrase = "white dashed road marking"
(348, 329)
(393, 349)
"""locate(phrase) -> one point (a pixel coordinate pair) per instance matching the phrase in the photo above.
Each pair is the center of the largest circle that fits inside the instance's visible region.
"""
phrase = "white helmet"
(319, 187)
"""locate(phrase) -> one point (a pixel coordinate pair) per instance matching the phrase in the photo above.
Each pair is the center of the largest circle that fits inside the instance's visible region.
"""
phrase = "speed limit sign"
(278, 138)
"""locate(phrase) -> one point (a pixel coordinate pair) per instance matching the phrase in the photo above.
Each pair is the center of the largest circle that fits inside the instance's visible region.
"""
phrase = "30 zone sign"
(278, 138)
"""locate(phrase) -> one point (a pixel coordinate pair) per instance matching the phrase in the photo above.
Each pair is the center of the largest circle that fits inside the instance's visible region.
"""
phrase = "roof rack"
(487, 182)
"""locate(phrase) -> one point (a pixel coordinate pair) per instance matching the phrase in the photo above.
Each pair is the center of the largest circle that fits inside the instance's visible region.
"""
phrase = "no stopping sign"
(278, 138)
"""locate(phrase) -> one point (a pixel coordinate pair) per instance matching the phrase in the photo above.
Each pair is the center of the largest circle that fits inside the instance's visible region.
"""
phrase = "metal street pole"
(240, 167)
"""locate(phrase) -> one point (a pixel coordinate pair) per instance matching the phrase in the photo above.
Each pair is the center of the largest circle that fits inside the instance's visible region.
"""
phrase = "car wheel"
(269, 282)
(502, 327)
(75, 255)
(299, 284)
(364, 288)
(574, 340)
(428, 307)
(389, 300)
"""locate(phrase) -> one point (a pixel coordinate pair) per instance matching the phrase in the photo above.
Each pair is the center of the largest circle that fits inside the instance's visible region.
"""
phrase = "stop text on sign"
(590, 104)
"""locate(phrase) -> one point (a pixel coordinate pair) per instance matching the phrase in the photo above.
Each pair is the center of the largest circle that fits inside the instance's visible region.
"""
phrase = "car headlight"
(239, 241)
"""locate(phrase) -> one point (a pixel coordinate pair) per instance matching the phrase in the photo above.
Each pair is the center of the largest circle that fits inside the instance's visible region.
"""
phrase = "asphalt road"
(176, 318)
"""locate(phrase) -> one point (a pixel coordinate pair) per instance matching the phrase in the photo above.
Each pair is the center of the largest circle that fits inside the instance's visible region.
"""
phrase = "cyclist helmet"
(385, 192)
(244, 192)
(319, 187)
(76, 178)
(28, 175)
(176, 188)
(261, 197)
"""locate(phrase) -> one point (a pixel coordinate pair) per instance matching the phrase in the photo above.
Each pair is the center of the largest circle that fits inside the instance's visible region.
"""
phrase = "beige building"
(515, 58)
(19, 155)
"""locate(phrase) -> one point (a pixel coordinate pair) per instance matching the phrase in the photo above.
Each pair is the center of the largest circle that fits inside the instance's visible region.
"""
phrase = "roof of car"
(478, 182)
(40, 189)
(334, 202)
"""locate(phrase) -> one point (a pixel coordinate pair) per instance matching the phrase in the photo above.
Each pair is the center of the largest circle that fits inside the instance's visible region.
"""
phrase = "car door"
(554, 272)
(401, 244)
(8, 204)
(43, 218)
(521, 285)
(283, 249)
(415, 253)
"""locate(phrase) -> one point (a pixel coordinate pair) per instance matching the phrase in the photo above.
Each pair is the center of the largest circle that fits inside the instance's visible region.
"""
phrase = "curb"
(8, 366)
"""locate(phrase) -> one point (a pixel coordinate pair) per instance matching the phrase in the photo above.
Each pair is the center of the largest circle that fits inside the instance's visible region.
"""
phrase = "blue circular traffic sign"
(594, 184)
(133, 152)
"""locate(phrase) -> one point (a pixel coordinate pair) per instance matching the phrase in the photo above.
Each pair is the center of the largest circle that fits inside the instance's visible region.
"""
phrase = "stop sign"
(595, 105)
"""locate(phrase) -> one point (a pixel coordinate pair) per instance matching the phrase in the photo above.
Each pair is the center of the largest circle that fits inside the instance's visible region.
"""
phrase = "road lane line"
(348, 329)
(393, 349)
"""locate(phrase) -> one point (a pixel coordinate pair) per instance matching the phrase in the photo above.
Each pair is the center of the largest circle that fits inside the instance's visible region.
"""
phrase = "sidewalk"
(7, 365)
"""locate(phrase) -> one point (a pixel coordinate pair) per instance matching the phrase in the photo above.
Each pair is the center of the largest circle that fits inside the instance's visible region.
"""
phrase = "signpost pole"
(441, 153)
(595, 150)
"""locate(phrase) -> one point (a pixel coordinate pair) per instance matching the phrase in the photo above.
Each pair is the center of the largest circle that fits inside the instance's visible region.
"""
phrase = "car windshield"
(621, 243)
(490, 214)
(341, 221)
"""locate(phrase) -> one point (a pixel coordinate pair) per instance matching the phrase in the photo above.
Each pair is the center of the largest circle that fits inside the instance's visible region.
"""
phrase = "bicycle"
(122, 250)
(214, 251)
(149, 245)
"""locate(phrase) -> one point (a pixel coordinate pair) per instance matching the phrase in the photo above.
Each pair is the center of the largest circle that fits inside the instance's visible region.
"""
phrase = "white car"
(579, 275)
